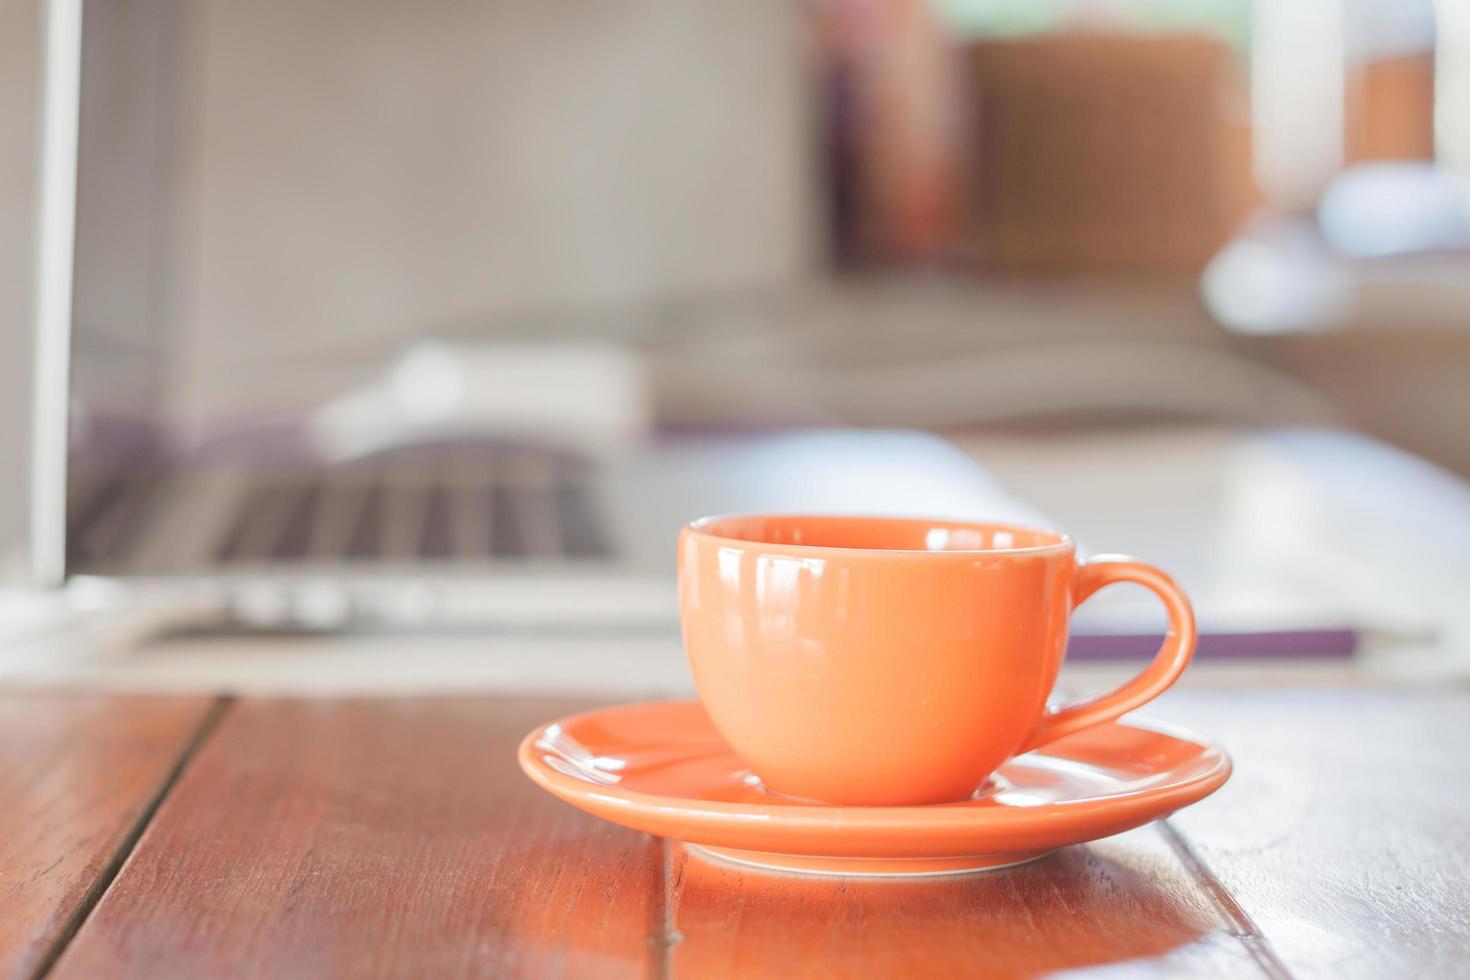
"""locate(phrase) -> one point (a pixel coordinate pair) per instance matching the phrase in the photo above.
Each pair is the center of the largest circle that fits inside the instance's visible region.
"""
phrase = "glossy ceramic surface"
(891, 661)
(661, 768)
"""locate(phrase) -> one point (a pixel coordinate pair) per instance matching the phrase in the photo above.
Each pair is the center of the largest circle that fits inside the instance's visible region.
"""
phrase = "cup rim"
(701, 527)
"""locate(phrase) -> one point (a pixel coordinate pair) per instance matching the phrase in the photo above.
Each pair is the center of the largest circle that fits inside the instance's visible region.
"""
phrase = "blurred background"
(1188, 277)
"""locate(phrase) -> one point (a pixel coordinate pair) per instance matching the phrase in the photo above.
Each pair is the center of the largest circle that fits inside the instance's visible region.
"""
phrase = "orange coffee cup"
(888, 661)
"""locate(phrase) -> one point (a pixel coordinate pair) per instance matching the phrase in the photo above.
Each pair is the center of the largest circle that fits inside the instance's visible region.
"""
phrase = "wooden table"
(199, 837)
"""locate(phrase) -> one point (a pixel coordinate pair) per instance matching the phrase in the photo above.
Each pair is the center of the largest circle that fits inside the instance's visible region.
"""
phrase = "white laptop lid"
(271, 198)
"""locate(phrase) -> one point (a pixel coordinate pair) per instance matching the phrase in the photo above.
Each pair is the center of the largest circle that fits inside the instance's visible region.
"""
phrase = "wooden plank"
(373, 838)
(1345, 831)
(1125, 904)
(78, 774)
(397, 838)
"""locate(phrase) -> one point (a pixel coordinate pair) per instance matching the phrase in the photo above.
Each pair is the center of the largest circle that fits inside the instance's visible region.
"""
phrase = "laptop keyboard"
(460, 505)
(420, 506)
(108, 508)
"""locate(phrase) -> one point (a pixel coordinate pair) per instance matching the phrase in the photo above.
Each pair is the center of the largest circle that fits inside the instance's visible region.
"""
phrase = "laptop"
(332, 484)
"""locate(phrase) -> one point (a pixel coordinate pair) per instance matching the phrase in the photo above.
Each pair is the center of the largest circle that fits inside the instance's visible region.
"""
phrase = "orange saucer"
(662, 769)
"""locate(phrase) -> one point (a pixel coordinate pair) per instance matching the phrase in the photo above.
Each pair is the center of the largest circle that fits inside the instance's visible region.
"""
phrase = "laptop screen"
(128, 221)
(276, 199)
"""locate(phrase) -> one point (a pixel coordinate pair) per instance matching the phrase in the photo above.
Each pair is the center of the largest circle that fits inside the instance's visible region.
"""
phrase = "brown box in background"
(1390, 109)
(1105, 153)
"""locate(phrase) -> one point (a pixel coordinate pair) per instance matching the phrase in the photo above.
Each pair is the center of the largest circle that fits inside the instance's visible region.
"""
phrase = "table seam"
(110, 871)
(1241, 926)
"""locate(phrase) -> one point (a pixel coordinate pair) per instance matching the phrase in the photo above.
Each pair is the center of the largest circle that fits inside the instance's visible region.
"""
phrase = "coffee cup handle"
(1168, 663)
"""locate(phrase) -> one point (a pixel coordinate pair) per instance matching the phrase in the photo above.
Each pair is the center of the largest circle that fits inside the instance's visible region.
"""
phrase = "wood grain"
(1121, 902)
(77, 775)
(397, 838)
(373, 838)
(1345, 831)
